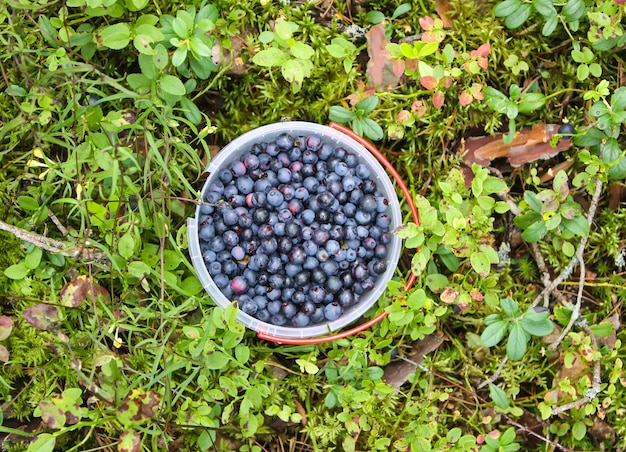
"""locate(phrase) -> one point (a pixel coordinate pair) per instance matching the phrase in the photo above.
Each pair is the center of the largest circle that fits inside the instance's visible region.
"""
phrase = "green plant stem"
(562, 91)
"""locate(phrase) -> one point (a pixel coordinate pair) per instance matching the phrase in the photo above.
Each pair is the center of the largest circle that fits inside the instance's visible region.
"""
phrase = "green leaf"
(191, 110)
(592, 137)
(126, 246)
(492, 318)
(16, 271)
(494, 333)
(498, 396)
(510, 307)
(302, 51)
(550, 25)
(603, 329)
(283, 29)
(198, 48)
(216, 360)
(367, 105)
(579, 430)
(371, 129)
(537, 328)
(519, 16)
(578, 225)
(32, 259)
(336, 51)
(533, 201)
(618, 99)
(436, 282)
(517, 343)
(116, 36)
(573, 10)
(535, 232)
(494, 185)
(340, 114)
(172, 85)
(400, 10)
(531, 102)
(420, 261)
(480, 263)
(44, 443)
(28, 203)
(179, 56)
(269, 57)
(375, 17)
(545, 8)
(506, 8)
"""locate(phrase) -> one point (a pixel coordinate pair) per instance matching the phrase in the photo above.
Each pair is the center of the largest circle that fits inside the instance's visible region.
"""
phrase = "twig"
(580, 258)
(496, 374)
(52, 245)
(593, 392)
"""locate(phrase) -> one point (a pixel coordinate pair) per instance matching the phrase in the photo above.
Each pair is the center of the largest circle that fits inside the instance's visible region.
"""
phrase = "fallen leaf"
(6, 326)
(43, 316)
(80, 289)
(528, 145)
(397, 373)
(381, 71)
(443, 8)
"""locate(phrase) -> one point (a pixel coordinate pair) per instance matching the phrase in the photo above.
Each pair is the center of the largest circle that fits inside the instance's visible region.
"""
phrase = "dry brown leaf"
(528, 145)
(381, 71)
(397, 372)
(443, 8)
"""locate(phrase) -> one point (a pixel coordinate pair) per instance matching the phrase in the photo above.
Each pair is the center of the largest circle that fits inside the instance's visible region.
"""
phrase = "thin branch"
(52, 245)
(496, 374)
(580, 258)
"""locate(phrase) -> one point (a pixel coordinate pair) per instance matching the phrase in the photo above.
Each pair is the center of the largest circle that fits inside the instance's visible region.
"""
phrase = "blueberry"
(278, 319)
(289, 310)
(206, 232)
(251, 161)
(300, 320)
(239, 285)
(325, 199)
(383, 221)
(238, 169)
(318, 315)
(274, 307)
(263, 315)
(284, 140)
(247, 305)
(229, 216)
(345, 298)
(215, 268)
(332, 311)
(275, 198)
(238, 253)
(313, 142)
(567, 130)
(221, 280)
(292, 229)
(341, 169)
(317, 295)
(297, 255)
(225, 176)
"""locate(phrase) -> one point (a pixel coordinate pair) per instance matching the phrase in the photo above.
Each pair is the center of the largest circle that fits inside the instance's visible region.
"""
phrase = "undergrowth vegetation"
(505, 120)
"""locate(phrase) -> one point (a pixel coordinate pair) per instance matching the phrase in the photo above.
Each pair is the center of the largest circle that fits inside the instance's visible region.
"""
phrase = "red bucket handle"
(409, 199)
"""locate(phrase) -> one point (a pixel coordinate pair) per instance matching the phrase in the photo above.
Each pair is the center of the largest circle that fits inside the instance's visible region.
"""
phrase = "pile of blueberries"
(295, 230)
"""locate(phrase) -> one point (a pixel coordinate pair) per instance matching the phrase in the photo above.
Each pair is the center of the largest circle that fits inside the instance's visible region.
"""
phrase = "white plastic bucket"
(242, 144)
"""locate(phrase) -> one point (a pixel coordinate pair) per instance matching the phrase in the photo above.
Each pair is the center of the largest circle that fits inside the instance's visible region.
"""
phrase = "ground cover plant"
(505, 120)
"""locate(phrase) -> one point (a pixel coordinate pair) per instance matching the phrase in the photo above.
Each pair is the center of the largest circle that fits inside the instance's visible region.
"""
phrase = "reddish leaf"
(129, 441)
(465, 98)
(43, 316)
(426, 22)
(482, 51)
(138, 407)
(428, 82)
(75, 292)
(398, 68)
(4, 354)
(438, 100)
(449, 295)
(6, 325)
